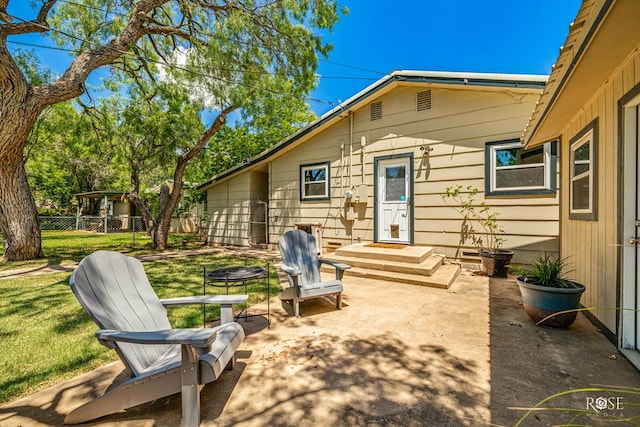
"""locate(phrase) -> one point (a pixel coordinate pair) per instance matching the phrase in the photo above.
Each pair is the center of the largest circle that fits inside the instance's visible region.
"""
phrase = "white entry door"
(630, 313)
(393, 215)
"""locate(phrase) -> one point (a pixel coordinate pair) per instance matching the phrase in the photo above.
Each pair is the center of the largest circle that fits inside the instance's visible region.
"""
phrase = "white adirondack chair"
(115, 291)
(301, 264)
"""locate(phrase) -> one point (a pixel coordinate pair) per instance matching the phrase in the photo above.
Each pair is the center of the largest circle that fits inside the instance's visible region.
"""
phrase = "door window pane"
(395, 184)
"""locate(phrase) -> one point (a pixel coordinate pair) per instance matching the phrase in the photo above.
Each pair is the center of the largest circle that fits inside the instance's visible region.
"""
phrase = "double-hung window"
(510, 169)
(582, 167)
(314, 181)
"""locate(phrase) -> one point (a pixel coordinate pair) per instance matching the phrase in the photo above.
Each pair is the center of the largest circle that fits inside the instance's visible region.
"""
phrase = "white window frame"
(327, 187)
(587, 135)
(548, 165)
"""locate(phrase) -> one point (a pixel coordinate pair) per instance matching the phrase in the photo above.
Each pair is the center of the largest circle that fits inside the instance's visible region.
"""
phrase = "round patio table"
(231, 276)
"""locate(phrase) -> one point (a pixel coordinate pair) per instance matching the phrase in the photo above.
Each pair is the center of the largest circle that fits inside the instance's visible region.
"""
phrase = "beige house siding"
(456, 128)
(597, 266)
(228, 210)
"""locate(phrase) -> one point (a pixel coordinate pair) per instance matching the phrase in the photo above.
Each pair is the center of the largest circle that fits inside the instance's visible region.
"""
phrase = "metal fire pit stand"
(238, 276)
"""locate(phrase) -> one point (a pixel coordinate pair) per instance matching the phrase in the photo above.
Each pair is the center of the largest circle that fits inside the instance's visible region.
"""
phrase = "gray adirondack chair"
(301, 264)
(115, 291)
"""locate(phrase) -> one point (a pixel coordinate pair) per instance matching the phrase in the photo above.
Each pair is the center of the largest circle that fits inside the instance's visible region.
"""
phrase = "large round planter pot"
(495, 264)
(542, 301)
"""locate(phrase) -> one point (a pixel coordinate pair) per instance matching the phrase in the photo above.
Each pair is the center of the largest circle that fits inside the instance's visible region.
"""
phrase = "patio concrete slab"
(395, 354)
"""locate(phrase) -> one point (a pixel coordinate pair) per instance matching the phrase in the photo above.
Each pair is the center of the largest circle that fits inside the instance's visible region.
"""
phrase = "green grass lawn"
(64, 246)
(45, 336)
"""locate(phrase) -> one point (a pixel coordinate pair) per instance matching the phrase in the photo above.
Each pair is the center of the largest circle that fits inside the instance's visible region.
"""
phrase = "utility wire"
(41, 46)
(177, 67)
(124, 15)
(62, 49)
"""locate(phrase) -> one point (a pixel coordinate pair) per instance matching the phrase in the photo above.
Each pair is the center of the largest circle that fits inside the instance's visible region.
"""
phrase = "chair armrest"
(292, 271)
(206, 299)
(336, 264)
(200, 338)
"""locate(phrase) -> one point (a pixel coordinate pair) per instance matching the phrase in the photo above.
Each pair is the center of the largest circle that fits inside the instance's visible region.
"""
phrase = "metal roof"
(602, 35)
(514, 81)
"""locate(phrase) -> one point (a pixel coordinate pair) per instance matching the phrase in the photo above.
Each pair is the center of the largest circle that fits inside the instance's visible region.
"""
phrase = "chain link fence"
(111, 224)
(183, 224)
(189, 227)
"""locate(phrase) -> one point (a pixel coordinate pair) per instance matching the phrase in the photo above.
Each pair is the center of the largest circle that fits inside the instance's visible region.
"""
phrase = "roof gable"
(377, 89)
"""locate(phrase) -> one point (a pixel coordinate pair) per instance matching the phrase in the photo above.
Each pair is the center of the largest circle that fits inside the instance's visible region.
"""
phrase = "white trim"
(400, 209)
(628, 332)
(303, 169)
(586, 138)
(494, 168)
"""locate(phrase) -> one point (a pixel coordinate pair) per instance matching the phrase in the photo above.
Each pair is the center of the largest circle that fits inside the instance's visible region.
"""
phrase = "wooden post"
(106, 212)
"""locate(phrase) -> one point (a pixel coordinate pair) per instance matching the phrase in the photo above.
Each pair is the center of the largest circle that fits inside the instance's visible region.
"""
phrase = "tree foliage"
(67, 154)
(227, 53)
(269, 120)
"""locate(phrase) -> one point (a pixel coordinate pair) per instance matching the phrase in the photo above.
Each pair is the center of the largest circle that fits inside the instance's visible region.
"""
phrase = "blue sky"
(491, 36)
(377, 37)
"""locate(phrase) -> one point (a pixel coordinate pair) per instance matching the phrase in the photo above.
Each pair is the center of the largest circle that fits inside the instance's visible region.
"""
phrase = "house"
(112, 206)
(374, 169)
(591, 105)
(103, 203)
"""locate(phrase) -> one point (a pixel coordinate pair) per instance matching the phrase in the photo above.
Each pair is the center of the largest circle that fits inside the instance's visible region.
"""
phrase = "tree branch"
(71, 83)
(183, 160)
(37, 25)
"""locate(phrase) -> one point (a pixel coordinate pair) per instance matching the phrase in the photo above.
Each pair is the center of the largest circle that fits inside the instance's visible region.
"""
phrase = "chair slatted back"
(115, 292)
(298, 249)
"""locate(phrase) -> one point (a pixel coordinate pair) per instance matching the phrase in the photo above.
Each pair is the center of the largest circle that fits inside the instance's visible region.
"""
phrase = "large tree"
(232, 50)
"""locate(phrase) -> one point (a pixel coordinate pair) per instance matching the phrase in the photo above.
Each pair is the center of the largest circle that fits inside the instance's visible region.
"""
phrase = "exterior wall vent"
(423, 100)
(376, 110)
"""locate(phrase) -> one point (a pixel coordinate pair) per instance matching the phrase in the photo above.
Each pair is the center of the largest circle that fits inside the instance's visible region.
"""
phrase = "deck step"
(399, 253)
(442, 278)
(426, 267)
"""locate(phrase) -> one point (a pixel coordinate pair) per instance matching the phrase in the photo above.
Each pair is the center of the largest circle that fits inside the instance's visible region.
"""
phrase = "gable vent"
(376, 110)
(423, 100)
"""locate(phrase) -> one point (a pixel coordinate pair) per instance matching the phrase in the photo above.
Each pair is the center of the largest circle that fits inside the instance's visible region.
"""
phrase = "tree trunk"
(163, 220)
(18, 213)
(161, 236)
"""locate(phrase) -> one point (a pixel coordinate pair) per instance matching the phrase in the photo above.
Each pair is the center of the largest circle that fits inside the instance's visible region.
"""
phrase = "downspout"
(350, 149)
(363, 144)
(342, 162)
(351, 165)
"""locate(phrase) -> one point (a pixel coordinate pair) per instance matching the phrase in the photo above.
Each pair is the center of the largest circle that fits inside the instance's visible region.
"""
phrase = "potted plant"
(548, 296)
(480, 227)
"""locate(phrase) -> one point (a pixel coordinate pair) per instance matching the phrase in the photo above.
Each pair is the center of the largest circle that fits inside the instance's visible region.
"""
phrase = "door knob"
(633, 241)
